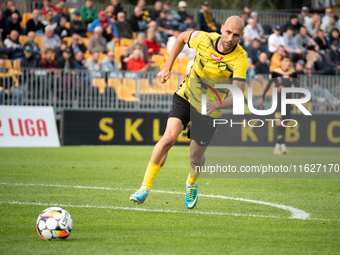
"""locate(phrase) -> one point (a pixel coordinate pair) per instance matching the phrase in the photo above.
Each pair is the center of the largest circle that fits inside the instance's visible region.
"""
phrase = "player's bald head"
(235, 21)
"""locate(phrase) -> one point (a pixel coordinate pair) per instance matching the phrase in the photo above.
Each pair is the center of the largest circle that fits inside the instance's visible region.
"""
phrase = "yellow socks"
(150, 174)
(193, 176)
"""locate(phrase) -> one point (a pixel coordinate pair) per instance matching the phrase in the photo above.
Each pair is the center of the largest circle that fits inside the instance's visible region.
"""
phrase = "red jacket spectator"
(136, 63)
(48, 6)
(152, 45)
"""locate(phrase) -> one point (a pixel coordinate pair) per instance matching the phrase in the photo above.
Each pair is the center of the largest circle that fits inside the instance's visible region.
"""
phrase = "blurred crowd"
(109, 41)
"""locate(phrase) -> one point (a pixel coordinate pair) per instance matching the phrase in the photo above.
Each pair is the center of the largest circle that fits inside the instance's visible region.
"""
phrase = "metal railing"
(128, 91)
(265, 17)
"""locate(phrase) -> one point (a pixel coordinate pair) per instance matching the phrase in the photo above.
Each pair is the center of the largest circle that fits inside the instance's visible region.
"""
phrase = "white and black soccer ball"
(54, 223)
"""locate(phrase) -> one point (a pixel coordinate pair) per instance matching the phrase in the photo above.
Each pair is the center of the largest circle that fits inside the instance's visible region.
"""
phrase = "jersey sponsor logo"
(285, 76)
(195, 34)
(212, 55)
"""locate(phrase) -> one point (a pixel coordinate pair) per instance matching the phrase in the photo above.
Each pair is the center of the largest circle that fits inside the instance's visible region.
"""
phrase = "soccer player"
(283, 77)
(217, 56)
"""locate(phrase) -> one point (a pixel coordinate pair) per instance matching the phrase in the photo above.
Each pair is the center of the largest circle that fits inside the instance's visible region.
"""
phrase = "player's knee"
(197, 160)
(168, 141)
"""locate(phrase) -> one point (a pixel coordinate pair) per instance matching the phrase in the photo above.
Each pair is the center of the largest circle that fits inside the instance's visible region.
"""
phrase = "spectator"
(108, 32)
(4, 52)
(136, 63)
(206, 20)
(145, 12)
(299, 67)
(97, 42)
(152, 45)
(10, 9)
(32, 44)
(137, 22)
(13, 45)
(293, 23)
(141, 43)
(275, 40)
(49, 7)
(254, 51)
(125, 57)
(328, 14)
(163, 25)
(303, 16)
(331, 24)
(275, 61)
(30, 63)
(313, 25)
(157, 8)
(62, 31)
(8, 84)
(172, 15)
(77, 26)
(102, 21)
(182, 11)
(76, 46)
(48, 62)
(117, 7)
(303, 40)
(48, 21)
(13, 24)
(79, 61)
(123, 27)
(50, 40)
(65, 61)
(250, 33)
(88, 13)
(62, 9)
(61, 49)
(34, 24)
(321, 41)
(110, 9)
(247, 9)
(186, 52)
(110, 65)
(261, 66)
(322, 96)
(2, 25)
(259, 28)
(188, 24)
(94, 66)
(251, 71)
(333, 59)
(245, 17)
(40, 8)
(334, 36)
(290, 44)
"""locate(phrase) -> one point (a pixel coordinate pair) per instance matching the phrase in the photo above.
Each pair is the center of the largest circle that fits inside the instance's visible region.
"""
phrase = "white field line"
(295, 213)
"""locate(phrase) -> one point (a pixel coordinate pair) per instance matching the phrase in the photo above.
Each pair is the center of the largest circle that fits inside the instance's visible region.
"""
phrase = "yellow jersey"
(211, 67)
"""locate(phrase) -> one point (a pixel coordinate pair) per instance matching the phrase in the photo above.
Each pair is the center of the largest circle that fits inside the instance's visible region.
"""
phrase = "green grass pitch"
(113, 230)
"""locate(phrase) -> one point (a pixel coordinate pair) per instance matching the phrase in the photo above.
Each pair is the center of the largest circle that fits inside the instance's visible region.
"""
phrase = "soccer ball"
(54, 223)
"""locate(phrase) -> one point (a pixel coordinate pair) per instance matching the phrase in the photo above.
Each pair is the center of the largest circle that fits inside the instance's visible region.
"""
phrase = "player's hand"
(261, 101)
(164, 75)
(211, 106)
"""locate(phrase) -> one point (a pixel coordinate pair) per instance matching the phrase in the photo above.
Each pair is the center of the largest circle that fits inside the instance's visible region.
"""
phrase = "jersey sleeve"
(195, 38)
(240, 69)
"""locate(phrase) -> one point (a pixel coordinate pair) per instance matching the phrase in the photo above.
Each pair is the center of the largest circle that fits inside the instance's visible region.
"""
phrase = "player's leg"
(173, 128)
(197, 160)
(279, 137)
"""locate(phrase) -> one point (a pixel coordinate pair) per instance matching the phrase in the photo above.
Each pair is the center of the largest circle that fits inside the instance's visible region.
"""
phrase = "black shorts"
(278, 112)
(201, 128)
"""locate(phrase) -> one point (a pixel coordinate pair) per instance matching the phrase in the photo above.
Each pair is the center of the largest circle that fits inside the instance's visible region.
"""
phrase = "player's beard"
(227, 47)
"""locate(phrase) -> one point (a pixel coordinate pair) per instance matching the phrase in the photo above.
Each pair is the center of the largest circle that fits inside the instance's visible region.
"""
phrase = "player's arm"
(181, 40)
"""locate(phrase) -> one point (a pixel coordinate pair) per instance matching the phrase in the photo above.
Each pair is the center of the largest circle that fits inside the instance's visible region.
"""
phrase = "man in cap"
(102, 21)
(275, 40)
(29, 62)
(304, 17)
(77, 26)
(182, 11)
(206, 20)
(172, 15)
